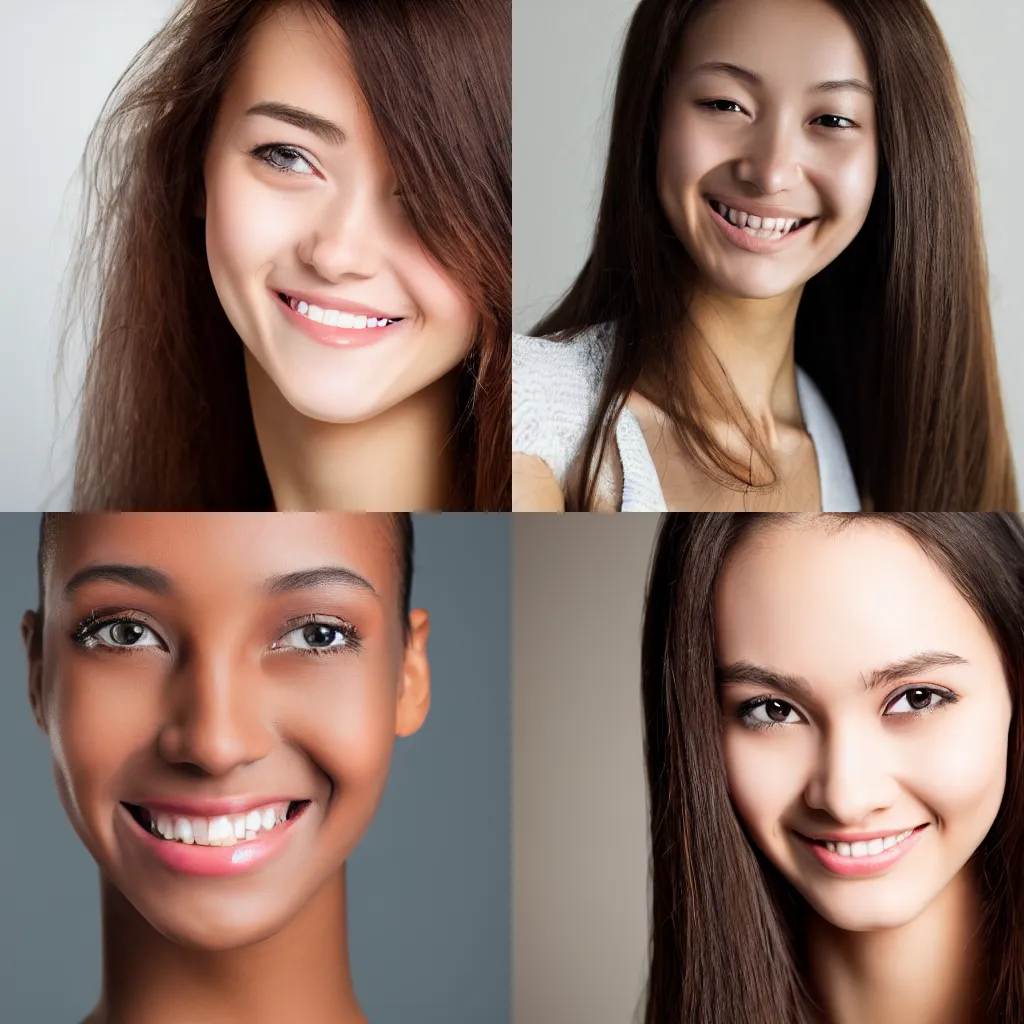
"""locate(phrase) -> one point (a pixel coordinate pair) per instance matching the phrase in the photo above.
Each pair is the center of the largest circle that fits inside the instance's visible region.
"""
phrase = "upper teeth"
(337, 318)
(867, 848)
(760, 227)
(225, 830)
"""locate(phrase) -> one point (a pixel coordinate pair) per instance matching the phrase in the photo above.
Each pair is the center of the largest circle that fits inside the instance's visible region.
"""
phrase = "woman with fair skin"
(785, 306)
(222, 695)
(834, 755)
(296, 269)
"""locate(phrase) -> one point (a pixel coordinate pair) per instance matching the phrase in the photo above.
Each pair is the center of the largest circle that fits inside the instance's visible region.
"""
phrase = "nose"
(216, 721)
(345, 237)
(852, 777)
(772, 162)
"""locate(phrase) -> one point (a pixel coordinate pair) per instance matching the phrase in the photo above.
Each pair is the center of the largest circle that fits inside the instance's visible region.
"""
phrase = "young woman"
(835, 760)
(187, 672)
(785, 306)
(296, 265)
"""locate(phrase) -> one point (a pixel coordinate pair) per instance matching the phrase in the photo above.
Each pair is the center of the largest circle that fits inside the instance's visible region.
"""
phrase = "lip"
(210, 807)
(213, 861)
(762, 246)
(860, 867)
(337, 337)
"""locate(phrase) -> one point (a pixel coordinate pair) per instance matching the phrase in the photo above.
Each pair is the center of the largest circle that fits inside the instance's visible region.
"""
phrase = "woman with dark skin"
(210, 667)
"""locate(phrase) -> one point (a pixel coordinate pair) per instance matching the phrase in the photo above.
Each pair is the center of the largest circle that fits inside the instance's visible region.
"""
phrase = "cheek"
(443, 305)
(848, 183)
(687, 152)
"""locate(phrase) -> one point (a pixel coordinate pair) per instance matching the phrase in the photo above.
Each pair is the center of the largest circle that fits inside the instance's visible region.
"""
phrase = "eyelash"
(85, 634)
(744, 710)
(710, 105)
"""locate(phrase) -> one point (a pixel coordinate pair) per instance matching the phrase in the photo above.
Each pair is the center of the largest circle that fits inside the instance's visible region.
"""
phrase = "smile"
(867, 856)
(338, 328)
(337, 317)
(757, 234)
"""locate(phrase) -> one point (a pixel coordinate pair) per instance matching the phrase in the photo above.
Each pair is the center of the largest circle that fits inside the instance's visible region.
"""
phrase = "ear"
(31, 637)
(414, 696)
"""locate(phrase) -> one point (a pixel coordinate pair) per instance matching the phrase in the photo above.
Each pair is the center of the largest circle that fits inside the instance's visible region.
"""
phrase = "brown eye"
(763, 713)
(126, 633)
(918, 699)
(777, 710)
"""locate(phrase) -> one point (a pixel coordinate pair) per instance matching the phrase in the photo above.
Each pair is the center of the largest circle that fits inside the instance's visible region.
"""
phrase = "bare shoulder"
(534, 487)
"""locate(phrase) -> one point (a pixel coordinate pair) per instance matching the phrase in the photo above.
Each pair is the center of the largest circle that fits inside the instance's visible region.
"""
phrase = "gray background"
(564, 58)
(429, 900)
(579, 799)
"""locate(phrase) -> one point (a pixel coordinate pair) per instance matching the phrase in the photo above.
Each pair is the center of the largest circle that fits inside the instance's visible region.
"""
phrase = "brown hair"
(165, 417)
(725, 924)
(895, 332)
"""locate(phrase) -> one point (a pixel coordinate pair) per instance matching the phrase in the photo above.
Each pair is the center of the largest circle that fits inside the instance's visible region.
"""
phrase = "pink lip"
(210, 807)
(214, 861)
(859, 867)
(339, 337)
(763, 246)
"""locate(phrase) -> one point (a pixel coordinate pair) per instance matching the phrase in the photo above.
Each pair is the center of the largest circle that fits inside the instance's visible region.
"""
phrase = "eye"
(722, 105)
(919, 699)
(281, 158)
(316, 637)
(765, 712)
(832, 118)
(117, 633)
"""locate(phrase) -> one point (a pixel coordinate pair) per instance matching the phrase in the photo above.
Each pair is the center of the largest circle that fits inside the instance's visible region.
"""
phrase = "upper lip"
(858, 837)
(760, 210)
(332, 302)
(209, 807)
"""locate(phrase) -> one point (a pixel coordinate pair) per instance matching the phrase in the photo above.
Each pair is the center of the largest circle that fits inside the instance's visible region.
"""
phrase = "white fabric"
(555, 388)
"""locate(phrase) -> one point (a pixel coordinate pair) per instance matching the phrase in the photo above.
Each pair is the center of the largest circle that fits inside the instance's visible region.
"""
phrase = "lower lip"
(858, 867)
(338, 337)
(216, 861)
(763, 246)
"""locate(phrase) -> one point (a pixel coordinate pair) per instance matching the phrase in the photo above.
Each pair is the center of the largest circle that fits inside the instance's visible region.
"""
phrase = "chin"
(753, 286)
(863, 913)
(215, 935)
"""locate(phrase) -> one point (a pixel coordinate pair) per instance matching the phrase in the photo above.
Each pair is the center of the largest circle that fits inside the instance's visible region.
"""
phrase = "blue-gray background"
(429, 884)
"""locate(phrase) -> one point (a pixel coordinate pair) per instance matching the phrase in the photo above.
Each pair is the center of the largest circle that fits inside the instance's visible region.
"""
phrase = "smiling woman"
(785, 306)
(222, 695)
(835, 750)
(295, 267)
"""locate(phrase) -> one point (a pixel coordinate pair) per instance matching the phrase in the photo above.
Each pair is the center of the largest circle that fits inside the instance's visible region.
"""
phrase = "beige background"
(579, 798)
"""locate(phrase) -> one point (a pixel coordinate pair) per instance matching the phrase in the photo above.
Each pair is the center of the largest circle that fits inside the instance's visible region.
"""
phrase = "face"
(308, 239)
(866, 716)
(195, 671)
(768, 154)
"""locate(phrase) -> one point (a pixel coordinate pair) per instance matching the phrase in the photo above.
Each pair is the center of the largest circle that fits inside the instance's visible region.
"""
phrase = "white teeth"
(222, 830)
(867, 848)
(316, 313)
(339, 318)
(754, 222)
(757, 227)
(303, 308)
(331, 317)
(767, 224)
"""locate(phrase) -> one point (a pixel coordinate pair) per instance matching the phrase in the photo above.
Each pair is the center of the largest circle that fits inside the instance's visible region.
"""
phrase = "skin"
(832, 608)
(774, 145)
(221, 701)
(325, 216)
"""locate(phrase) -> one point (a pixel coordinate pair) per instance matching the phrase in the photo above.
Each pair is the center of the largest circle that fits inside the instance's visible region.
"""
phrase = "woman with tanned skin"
(835, 759)
(785, 307)
(220, 669)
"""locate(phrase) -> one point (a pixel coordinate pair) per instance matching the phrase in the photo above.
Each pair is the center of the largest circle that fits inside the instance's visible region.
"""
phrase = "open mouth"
(220, 830)
(337, 317)
(767, 228)
(864, 848)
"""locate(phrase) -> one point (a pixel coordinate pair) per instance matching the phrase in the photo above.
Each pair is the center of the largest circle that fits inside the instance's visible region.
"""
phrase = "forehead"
(226, 552)
(786, 42)
(833, 604)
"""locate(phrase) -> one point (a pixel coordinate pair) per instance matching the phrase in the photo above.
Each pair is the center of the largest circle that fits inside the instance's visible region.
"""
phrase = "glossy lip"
(211, 807)
(212, 861)
(860, 867)
(338, 337)
(762, 246)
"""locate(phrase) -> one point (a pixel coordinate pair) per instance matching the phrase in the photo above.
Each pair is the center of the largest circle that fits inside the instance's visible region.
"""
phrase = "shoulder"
(555, 385)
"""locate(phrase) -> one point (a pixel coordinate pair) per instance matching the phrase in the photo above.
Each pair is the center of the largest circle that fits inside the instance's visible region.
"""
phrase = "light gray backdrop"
(564, 58)
(428, 886)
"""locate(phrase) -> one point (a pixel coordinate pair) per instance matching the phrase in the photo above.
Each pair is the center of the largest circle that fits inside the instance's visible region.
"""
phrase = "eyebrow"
(299, 118)
(322, 576)
(748, 76)
(142, 576)
(747, 672)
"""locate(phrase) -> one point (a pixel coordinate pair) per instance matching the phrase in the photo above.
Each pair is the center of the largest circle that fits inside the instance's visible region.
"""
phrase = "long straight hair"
(725, 925)
(896, 332)
(165, 418)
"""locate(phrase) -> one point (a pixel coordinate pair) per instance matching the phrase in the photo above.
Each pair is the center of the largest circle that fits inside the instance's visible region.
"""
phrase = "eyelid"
(260, 152)
(354, 638)
(88, 627)
(948, 695)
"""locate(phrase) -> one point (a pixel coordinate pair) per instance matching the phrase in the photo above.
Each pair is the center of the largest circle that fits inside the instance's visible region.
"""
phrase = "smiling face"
(308, 239)
(259, 659)
(768, 115)
(863, 699)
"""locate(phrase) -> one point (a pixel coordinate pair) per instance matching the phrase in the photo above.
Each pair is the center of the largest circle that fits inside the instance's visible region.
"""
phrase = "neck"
(299, 973)
(399, 460)
(880, 976)
(746, 344)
